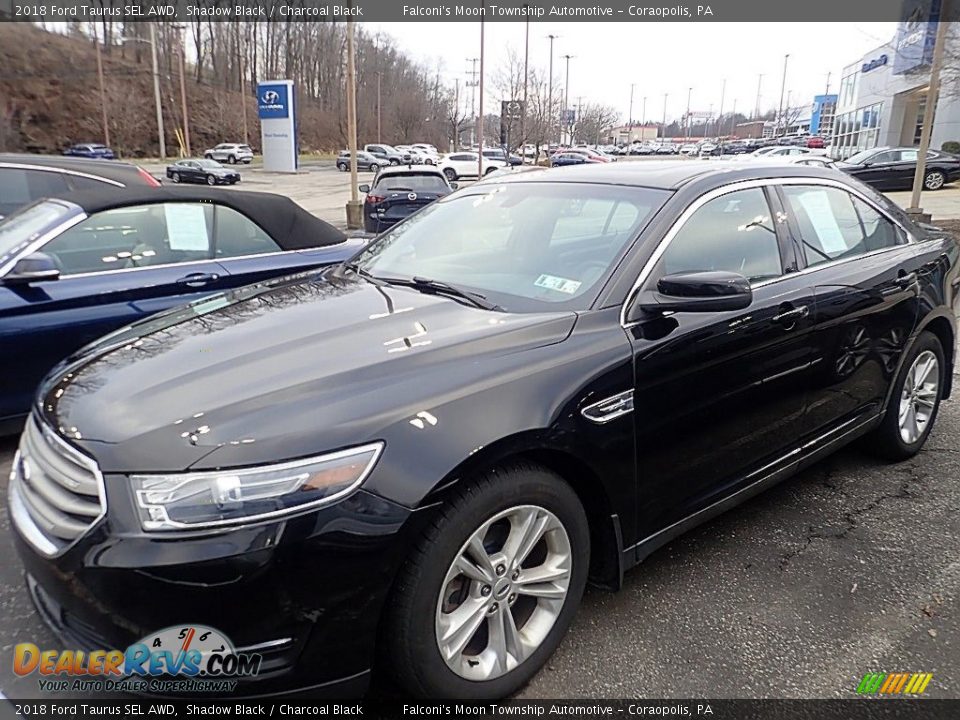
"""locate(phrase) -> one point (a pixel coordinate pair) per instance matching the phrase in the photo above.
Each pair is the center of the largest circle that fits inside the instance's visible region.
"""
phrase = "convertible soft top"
(288, 223)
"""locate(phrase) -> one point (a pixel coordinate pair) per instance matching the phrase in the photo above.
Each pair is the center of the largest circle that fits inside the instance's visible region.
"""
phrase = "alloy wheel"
(503, 592)
(918, 400)
(933, 180)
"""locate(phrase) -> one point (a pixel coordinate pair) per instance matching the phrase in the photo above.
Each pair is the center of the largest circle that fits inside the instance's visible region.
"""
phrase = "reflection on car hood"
(335, 358)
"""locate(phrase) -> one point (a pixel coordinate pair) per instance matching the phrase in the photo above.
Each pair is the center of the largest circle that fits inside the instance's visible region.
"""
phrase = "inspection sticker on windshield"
(552, 282)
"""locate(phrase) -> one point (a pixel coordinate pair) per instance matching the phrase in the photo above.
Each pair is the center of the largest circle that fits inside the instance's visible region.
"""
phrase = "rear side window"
(237, 235)
(833, 224)
(19, 187)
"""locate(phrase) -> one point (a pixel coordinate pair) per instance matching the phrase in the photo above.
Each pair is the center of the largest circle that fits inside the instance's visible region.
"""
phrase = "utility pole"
(756, 112)
(689, 92)
(933, 97)
(723, 93)
(826, 94)
(526, 81)
(733, 116)
(643, 117)
(630, 115)
(480, 116)
(156, 90)
(550, 94)
(243, 87)
(472, 84)
(354, 208)
(566, 102)
(183, 88)
(783, 87)
(103, 92)
(579, 114)
(665, 95)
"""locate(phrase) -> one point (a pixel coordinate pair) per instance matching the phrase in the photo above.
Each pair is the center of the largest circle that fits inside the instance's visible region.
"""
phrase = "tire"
(428, 161)
(489, 170)
(450, 173)
(394, 161)
(888, 439)
(374, 168)
(175, 177)
(211, 180)
(232, 160)
(208, 156)
(341, 167)
(934, 180)
(425, 586)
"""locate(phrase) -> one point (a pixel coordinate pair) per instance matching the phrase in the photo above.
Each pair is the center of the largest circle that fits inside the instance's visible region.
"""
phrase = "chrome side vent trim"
(609, 408)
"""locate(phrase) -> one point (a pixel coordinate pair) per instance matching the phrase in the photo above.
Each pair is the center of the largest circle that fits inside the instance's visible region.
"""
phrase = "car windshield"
(528, 247)
(420, 182)
(859, 157)
(208, 163)
(23, 227)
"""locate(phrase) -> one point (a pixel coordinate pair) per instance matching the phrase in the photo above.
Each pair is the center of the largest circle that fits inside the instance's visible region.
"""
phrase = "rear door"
(117, 267)
(865, 270)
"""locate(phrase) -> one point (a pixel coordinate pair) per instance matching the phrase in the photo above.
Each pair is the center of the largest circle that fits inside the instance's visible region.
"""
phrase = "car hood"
(329, 360)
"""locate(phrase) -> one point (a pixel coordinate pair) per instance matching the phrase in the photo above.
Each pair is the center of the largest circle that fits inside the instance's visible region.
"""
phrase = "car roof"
(407, 169)
(110, 169)
(288, 223)
(670, 174)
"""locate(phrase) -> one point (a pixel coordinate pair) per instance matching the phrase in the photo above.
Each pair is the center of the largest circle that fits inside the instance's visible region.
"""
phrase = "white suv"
(230, 152)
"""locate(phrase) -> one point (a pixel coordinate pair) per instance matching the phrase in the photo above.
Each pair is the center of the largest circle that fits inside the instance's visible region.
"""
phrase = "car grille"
(56, 492)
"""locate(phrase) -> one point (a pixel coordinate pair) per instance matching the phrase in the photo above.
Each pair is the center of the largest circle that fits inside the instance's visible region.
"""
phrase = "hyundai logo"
(270, 97)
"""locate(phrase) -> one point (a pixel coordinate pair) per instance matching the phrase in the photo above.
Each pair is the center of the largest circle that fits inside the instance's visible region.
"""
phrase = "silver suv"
(230, 153)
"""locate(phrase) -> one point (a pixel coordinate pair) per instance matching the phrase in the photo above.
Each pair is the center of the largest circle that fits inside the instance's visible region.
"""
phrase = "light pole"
(473, 98)
(354, 208)
(156, 84)
(183, 88)
(526, 82)
(664, 131)
(689, 92)
(630, 115)
(756, 112)
(550, 93)
(480, 116)
(783, 87)
(733, 116)
(723, 93)
(566, 100)
(103, 92)
(643, 117)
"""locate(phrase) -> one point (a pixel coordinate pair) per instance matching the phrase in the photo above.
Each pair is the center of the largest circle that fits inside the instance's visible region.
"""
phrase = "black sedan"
(398, 192)
(411, 464)
(202, 170)
(887, 168)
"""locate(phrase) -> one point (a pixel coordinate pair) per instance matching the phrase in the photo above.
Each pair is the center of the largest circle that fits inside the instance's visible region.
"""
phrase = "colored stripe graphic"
(894, 683)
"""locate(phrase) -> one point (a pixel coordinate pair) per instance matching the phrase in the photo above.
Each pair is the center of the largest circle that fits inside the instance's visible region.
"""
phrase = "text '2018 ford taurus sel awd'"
(411, 464)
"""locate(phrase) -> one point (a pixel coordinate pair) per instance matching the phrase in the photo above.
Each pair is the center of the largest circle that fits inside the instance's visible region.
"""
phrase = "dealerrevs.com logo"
(183, 658)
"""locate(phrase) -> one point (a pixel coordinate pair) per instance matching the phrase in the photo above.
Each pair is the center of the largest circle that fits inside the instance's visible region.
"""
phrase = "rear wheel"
(489, 170)
(914, 402)
(934, 180)
(491, 588)
(374, 167)
(232, 160)
(394, 161)
(208, 156)
(342, 167)
(450, 173)
(175, 177)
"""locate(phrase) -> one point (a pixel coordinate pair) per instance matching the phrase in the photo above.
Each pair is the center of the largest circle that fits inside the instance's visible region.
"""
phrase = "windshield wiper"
(441, 288)
(355, 267)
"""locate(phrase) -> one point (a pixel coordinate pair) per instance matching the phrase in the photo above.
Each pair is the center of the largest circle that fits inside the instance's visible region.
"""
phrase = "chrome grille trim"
(56, 492)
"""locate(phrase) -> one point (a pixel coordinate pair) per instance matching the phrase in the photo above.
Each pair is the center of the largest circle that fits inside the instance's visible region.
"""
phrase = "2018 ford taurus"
(409, 466)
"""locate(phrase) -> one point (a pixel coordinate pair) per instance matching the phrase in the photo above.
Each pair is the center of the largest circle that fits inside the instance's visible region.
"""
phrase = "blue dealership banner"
(273, 100)
(916, 36)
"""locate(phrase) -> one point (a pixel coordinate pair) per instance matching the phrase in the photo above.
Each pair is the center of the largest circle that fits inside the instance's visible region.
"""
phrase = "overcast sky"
(658, 57)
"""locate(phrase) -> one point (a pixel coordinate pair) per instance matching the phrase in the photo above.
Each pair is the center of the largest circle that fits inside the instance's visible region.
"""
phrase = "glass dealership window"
(856, 131)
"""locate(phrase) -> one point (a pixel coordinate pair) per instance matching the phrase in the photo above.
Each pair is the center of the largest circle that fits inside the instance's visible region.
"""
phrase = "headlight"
(187, 501)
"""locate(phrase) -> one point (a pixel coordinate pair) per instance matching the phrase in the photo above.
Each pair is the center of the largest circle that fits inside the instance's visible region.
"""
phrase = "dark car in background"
(365, 161)
(25, 178)
(890, 168)
(563, 158)
(398, 192)
(78, 267)
(413, 462)
(208, 172)
(499, 154)
(94, 151)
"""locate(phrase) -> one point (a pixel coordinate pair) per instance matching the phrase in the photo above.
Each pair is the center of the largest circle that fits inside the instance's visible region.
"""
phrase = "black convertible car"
(411, 464)
(887, 168)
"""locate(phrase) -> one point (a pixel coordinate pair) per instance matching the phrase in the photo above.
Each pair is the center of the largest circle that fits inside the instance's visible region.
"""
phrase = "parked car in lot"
(365, 161)
(396, 193)
(689, 149)
(591, 154)
(389, 155)
(466, 165)
(77, 267)
(231, 153)
(25, 178)
(570, 158)
(209, 172)
(422, 455)
(498, 154)
(668, 148)
(887, 168)
(94, 151)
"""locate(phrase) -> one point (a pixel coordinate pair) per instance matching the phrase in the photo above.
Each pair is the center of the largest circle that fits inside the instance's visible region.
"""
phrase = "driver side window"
(733, 232)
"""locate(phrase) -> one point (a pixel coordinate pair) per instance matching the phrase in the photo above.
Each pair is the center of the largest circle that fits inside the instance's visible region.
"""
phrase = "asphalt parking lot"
(851, 567)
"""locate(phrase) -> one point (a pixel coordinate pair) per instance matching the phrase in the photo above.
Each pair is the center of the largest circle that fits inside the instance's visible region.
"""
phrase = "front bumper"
(306, 593)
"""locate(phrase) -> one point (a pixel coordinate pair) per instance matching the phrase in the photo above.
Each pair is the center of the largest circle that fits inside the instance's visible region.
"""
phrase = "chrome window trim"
(46, 237)
(64, 171)
(98, 273)
(746, 185)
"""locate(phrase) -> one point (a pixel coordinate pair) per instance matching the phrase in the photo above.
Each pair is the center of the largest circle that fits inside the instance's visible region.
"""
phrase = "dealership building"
(883, 96)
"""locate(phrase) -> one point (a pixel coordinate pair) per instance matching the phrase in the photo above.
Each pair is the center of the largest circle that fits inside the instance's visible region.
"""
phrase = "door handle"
(905, 280)
(789, 315)
(198, 279)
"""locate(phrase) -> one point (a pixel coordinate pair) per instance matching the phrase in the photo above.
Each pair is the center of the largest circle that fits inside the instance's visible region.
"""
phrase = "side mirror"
(454, 185)
(38, 267)
(364, 188)
(713, 291)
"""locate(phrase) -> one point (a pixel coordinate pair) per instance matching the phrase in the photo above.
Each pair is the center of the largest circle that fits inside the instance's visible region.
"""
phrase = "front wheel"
(450, 174)
(934, 180)
(489, 170)
(211, 180)
(341, 167)
(914, 401)
(374, 167)
(208, 156)
(175, 177)
(491, 588)
(394, 161)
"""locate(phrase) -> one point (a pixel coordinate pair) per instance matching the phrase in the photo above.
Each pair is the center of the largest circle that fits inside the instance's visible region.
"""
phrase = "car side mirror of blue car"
(37, 267)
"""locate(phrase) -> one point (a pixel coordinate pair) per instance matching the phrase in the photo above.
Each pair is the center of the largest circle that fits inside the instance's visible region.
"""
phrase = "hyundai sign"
(273, 100)
(277, 108)
(916, 35)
